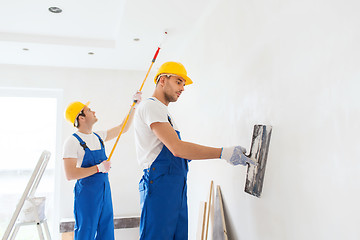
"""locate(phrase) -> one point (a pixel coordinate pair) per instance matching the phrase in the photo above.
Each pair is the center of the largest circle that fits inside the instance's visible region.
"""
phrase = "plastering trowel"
(258, 152)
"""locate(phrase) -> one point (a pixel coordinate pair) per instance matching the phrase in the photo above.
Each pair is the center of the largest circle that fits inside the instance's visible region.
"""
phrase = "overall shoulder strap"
(169, 119)
(82, 143)
(101, 141)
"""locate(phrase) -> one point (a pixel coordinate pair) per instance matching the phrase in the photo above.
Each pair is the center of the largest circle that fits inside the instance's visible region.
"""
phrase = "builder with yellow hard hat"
(85, 160)
(164, 157)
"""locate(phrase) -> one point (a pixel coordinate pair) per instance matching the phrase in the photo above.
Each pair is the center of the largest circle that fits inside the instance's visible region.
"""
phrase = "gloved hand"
(235, 156)
(104, 166)
(137, 97)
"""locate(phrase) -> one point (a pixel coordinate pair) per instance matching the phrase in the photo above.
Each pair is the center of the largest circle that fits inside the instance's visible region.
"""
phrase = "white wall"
(291, 64)
(294, 65)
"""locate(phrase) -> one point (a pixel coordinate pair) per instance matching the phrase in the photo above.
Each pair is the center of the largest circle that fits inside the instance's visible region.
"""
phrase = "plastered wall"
(293, 65)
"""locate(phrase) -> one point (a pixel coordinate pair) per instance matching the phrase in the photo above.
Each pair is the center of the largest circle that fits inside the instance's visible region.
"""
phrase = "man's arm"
(114, 132)
(167, 135)
(72, 172)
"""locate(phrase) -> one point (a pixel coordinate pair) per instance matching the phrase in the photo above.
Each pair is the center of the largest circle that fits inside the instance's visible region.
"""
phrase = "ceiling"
(32, 35)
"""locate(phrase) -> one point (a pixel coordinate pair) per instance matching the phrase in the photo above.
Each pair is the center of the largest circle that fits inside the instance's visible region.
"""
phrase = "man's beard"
(170, 98)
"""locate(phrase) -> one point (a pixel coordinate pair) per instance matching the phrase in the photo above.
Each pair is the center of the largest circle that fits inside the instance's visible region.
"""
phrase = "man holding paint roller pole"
(85, 160)
(164, 157)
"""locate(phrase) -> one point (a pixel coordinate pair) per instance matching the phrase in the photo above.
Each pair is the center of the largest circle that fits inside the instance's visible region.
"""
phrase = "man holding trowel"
(164, 157)
(85, 160)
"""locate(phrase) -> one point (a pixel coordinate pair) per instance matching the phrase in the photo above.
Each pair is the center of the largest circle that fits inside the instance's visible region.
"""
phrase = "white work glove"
(104, 166)
(137, 97)
(235, 156)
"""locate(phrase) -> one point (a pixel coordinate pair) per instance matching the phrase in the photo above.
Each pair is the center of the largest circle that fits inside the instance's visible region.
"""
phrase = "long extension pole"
(133, 104)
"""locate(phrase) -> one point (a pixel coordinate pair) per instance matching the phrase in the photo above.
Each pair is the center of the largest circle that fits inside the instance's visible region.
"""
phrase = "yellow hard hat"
(73, 110)
(174, 68)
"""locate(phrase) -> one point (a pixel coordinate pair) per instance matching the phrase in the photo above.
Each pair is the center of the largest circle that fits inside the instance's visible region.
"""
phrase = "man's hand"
(235, 156)
(104, 166)
(137, 97)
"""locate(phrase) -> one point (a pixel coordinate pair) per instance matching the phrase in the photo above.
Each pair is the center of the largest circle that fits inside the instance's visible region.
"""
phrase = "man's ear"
(81, 118)
(162, 80)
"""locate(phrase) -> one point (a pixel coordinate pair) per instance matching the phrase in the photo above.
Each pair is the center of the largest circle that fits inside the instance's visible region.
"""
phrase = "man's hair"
(76, 122)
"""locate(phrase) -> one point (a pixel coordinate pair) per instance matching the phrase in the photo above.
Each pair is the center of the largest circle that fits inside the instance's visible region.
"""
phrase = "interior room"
(292, 65)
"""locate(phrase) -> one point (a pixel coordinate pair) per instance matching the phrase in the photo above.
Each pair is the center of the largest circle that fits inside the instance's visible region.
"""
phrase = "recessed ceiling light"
(136, 39)
(55, 9)
(91, 53)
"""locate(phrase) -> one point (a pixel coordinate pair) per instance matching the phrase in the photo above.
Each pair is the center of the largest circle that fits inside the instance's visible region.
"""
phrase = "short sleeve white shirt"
(73, 149)
(148, 146)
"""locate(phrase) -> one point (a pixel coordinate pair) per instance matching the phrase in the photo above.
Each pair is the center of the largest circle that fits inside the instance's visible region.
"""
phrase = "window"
(28, 125)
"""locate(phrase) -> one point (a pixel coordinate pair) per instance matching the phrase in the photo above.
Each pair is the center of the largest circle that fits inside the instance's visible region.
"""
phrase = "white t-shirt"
(73, 149)
(148, 146)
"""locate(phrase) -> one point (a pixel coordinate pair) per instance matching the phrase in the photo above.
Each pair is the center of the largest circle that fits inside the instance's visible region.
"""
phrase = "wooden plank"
(201, 221)
(209, 209)
(67, 236)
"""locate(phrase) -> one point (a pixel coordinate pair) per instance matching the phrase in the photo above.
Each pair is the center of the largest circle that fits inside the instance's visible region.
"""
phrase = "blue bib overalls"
(93, 209)
(163, 198)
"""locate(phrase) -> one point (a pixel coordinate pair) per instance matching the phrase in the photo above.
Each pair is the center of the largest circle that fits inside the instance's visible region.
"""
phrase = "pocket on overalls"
(143, 190)
(155, 179)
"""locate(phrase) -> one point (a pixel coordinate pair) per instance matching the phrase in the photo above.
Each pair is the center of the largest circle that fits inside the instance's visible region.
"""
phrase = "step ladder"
(31, 210)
